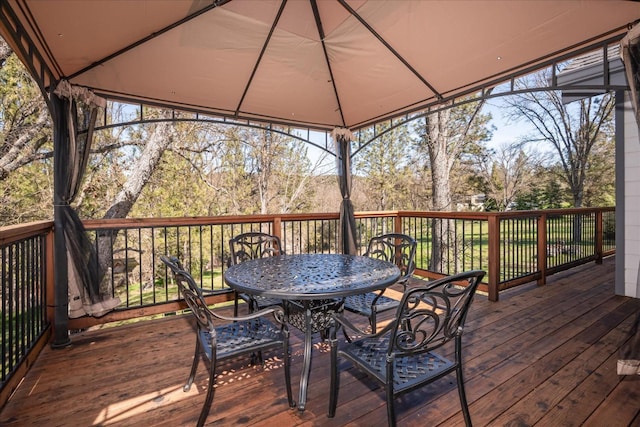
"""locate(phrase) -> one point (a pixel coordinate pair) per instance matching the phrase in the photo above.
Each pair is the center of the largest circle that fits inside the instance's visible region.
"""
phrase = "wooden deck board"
(541, 356)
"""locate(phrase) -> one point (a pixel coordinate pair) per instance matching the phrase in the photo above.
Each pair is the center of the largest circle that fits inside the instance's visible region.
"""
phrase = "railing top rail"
(13, 233)
(94, 224)
(564, 211)
(502, 215)
(376, 214)
(453, 215)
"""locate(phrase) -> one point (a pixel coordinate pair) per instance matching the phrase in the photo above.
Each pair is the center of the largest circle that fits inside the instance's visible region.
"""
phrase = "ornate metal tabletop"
(311, 276)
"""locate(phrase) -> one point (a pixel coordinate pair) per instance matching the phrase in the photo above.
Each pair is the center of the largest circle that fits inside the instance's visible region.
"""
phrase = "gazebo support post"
(61, 277)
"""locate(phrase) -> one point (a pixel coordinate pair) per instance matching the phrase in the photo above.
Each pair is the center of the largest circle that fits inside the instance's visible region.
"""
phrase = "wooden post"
(542, 248)
(277, 226)
(494, 256)
(599, 236)
(397, 223)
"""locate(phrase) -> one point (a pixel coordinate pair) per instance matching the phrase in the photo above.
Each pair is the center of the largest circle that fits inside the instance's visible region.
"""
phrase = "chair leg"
(287, 369)
(335, 378)
(346, 335)
(373, 321)
(391, 410)
(194, 366)
(324, 334)
(460, 379)
(463, 396)
(235, 304)
(206, 407)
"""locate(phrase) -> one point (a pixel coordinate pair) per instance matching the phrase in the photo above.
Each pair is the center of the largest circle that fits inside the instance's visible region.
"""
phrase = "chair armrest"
(378, 296)
(209, 292)
(277, 311)
(403, 281)
(340, 320)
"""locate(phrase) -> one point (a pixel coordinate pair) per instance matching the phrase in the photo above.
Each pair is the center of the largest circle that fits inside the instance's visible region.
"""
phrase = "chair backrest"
(431, 315)
(254, 245)
(191, 293)
(397, 248)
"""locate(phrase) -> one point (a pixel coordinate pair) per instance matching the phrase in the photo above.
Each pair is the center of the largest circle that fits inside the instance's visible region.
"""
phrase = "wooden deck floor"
(541, 356)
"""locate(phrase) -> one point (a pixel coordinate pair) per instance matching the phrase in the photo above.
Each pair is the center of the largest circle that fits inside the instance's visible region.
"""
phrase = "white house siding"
(630, 204)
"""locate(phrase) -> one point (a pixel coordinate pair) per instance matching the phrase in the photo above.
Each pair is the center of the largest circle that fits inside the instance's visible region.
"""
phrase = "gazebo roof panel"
(384, 57)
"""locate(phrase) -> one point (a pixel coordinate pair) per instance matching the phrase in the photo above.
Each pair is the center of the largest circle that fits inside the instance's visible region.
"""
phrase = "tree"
(442, 138)
(231, 170)
(178, 187)
(157, 141)
(545, 192)
(25, 145)
(280, 187)
(25, 126)
(572, 131)
(257, 172)
(384, 167)
(504, 173)
(599, 186)
(26, 194)
(142, 168)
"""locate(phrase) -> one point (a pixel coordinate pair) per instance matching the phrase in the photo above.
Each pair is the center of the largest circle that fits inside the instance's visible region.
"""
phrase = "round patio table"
(312, 286)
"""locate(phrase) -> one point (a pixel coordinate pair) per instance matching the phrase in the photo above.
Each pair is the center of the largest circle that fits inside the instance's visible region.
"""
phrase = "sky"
(506, 131)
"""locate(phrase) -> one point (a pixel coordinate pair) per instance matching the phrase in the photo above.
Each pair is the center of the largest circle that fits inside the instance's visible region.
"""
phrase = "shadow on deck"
(541, 356)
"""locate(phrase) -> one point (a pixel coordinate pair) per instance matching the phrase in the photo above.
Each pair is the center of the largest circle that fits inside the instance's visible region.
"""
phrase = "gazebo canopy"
(313, 63)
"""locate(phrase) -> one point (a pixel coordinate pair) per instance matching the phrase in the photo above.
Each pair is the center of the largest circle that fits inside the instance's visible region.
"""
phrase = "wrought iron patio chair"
(252, 245)
(393, 247)
(242, 335)
(401, 356)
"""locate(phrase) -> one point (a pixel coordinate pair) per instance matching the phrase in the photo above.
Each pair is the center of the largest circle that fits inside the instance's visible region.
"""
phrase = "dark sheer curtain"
(348, 236)
(77, 109)
(629, 356)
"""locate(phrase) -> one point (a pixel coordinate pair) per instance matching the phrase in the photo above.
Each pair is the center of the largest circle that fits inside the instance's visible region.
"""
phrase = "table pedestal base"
(310, 316)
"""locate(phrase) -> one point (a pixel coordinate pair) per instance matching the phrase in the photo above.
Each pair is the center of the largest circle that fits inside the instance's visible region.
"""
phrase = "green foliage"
(25, 146)
(544, 193)
(27, 194)
(19, 96)
(609, 228)
(600, 183)
(174, 190)
(210, 170)
(491, 205)
(230, 178)
(383, 165)
(503, 174)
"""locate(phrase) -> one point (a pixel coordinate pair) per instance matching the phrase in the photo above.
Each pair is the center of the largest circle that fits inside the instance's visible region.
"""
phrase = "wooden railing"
(26, 260)
(513, 247)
